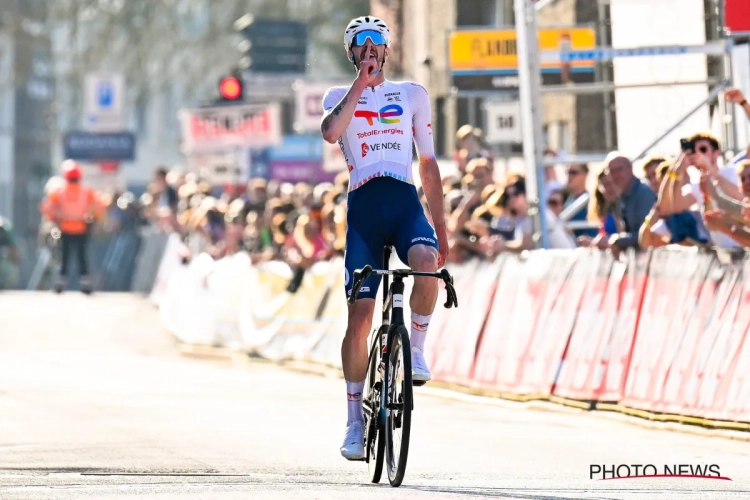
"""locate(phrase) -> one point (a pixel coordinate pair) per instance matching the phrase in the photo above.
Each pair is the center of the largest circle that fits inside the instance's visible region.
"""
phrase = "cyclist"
(374, 122)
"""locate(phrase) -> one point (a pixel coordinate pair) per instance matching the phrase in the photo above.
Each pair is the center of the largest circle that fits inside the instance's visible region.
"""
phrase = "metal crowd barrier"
(121, 262)
(118, 264)
(154, 241)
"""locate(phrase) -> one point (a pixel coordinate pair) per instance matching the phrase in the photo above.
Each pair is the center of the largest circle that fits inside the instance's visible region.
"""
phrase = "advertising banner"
(309, 104)
(494, 51)
(221, 128)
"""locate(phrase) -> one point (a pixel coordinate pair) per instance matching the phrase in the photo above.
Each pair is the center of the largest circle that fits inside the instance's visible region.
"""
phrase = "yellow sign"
(495, 50)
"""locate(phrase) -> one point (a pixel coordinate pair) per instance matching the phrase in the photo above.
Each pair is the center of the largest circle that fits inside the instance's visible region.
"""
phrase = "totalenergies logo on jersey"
(387, 115)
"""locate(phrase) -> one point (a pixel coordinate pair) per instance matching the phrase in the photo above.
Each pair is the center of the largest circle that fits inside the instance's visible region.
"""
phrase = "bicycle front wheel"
(398, 385)
(374, 435)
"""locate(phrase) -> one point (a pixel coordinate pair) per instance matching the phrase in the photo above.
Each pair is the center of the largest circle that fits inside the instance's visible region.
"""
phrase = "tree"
(156, 43)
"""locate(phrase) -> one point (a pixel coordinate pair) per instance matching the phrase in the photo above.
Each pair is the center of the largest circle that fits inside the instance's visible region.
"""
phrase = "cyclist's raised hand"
(368, 70)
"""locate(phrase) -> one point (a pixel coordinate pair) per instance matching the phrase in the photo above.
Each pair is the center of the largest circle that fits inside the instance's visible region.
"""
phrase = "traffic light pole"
(530, 84)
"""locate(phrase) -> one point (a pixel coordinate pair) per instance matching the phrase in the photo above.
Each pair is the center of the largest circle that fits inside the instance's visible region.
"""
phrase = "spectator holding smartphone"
(703, 151)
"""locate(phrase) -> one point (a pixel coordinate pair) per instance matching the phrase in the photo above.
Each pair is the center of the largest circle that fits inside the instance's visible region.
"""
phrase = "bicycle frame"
(379, 386)
(393, 300)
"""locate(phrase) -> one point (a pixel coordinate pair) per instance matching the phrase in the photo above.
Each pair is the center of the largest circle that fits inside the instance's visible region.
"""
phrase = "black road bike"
(388, 400)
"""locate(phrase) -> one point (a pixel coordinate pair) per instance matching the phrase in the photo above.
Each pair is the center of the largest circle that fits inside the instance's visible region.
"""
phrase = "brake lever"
(452, 299)
(355, 291)
(358, 280)
(450, 290)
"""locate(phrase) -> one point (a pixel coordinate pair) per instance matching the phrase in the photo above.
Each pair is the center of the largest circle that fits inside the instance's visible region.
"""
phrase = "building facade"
(423, 29)
(27, 89)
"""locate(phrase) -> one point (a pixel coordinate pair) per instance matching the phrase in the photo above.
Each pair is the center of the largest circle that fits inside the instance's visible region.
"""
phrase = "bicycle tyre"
(374, 439)
(399, 356)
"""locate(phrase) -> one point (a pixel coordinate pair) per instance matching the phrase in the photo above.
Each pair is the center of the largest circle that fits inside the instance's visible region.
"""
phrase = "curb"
(735, 431)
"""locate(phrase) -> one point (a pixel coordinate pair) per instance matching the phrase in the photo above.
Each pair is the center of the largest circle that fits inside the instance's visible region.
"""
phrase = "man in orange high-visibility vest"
(73, 208)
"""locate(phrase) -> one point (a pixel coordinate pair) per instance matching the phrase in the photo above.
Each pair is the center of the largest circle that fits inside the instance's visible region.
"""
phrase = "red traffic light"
(230, 88)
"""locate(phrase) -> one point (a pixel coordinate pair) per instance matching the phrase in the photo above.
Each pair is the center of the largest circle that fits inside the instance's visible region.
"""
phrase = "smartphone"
(687, 146)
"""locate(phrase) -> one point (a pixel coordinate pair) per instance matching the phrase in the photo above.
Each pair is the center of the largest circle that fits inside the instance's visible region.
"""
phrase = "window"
(475, 12)
(557, 135)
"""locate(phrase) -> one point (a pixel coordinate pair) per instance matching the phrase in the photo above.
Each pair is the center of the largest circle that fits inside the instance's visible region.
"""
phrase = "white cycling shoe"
(354, 442)
(420, 374)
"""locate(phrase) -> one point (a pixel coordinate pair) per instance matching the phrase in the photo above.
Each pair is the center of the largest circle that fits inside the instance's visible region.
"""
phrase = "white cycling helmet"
(366, 23)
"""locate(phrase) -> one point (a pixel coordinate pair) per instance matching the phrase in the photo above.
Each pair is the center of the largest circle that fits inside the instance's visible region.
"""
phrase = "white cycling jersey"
(378, 141)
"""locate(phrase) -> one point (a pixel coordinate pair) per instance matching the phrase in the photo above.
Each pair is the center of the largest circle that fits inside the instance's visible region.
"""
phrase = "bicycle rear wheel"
(398, 385)
(374, 435)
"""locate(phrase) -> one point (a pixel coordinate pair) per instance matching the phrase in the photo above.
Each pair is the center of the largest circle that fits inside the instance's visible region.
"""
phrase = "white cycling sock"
(419, 326)
(354, 405)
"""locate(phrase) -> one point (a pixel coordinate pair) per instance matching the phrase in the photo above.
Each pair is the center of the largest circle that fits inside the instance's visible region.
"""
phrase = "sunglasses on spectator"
(703, 149)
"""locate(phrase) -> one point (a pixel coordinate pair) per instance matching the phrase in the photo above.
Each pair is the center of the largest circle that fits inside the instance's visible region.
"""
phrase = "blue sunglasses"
(360, 38)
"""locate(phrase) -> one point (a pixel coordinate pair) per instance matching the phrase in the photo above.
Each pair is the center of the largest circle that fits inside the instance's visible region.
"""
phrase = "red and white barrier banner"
(451, 342)
(671, 293)
(683, 379)
(617, 358)
(520, 298)
(565, 286)
(496, 348)
(736, 405)
(716, 379)
(664, 331)
(582, 365)
(222, 128)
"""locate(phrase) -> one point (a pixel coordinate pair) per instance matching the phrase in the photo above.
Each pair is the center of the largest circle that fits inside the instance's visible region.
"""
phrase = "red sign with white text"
(227, 127)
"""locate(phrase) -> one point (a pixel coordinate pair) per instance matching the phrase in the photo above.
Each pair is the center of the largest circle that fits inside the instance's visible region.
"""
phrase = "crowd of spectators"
(606, 206)
(695, 199)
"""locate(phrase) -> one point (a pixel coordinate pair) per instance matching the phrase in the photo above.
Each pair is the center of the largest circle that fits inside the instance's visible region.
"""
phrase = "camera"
(687, 145)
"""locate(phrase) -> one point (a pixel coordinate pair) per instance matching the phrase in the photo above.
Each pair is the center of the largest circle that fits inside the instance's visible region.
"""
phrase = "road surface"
(97, 402)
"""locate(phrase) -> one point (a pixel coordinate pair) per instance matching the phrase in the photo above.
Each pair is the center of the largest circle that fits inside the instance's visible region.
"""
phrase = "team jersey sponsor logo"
(370, 133)
(351, 167)
(343, 149)
(393, 96)
(422, 238)
(419, 327)
(380, 146)
(387, 115)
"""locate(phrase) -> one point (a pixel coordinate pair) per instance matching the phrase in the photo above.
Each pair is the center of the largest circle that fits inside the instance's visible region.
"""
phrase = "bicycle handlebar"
(361, 275)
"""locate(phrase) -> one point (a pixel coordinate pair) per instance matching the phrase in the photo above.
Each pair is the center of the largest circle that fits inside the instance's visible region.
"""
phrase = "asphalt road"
(97, 402)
